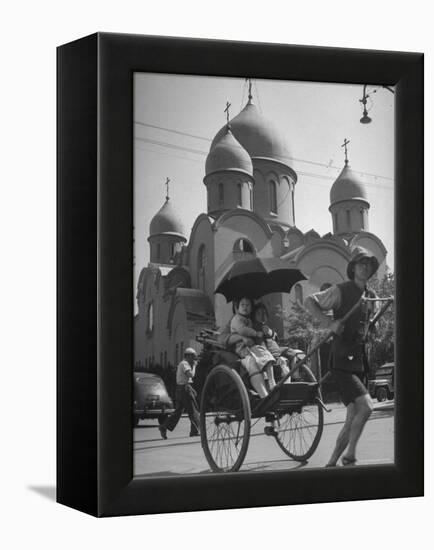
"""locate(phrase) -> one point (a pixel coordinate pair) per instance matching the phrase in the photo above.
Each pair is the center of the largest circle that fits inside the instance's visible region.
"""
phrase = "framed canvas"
(135, 265)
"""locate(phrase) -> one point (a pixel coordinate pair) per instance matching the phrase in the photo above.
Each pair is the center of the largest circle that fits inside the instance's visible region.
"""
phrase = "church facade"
(250, 188)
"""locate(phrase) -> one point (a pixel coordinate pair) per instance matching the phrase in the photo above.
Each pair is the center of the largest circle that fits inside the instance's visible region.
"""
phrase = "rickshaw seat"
(228, 357)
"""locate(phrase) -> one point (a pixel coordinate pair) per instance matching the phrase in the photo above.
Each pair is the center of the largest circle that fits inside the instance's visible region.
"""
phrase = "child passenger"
(260, 320)
(253, 357)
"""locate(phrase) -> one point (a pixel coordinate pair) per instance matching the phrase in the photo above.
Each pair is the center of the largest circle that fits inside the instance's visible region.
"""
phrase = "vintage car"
(151, 399)
(382, 386)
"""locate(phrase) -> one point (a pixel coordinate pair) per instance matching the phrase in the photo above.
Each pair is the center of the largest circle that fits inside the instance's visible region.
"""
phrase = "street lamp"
(365, 118)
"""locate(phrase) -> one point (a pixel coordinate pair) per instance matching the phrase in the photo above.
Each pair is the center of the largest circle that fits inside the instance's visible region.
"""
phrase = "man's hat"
(190, 351)
(358, 254)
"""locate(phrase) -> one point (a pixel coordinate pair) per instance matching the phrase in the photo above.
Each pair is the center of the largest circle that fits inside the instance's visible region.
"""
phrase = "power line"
(170, 130)
(301, 173)
(321, 164)
(172, 146)
(166, 154)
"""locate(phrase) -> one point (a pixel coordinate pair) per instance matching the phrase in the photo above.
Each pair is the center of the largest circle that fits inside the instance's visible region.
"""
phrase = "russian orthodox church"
(250, 188)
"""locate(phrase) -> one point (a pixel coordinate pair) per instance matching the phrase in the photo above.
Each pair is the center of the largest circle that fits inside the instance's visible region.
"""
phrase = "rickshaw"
(293, 409)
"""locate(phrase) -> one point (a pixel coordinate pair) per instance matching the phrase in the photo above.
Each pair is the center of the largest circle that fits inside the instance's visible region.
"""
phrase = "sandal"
(348, 461)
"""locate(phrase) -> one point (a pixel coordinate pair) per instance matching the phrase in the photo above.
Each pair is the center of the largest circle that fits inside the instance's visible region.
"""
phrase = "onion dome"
(227, 154)
(257, 135)
(347, 187)
(166, 221)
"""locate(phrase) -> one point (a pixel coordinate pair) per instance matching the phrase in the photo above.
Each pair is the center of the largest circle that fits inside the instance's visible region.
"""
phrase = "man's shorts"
(350, 385)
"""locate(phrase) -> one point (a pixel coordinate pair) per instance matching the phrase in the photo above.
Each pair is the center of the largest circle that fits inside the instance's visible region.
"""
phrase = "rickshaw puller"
(348, 353)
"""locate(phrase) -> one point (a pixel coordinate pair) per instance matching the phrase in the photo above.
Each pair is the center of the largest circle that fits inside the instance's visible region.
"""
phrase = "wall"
(230, 182)
(358, 218)
(265, 171)
(202, 234)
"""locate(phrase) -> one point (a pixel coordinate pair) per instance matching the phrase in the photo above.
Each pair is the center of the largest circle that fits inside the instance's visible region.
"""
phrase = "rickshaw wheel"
(306, 374)
(299, 432)
(224, 419)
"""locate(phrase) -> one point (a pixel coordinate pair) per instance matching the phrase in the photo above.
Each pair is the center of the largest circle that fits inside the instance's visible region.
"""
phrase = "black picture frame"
(95, 283)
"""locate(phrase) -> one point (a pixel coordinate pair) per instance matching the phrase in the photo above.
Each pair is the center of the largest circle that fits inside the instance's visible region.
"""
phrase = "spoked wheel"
(299, 432)
(224, 420)
(306, 374)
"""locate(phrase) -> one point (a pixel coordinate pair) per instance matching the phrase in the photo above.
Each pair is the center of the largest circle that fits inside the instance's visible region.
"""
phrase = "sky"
(177, 116)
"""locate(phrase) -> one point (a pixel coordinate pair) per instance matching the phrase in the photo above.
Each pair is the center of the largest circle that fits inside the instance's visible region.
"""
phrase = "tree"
(381, 341)
(301, 330)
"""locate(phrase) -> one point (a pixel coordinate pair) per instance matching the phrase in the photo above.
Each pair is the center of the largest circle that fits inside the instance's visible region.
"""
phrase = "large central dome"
(257, 135)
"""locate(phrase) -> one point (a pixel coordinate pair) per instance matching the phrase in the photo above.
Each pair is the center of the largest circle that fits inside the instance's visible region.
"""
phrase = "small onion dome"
(227, 154)
(166, 221)
(347, 187)
(257, 135)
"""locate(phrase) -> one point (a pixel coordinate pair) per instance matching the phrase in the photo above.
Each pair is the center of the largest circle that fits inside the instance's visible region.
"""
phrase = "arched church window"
(239, 195)
(243, 245)
(201, 264)
(150, 317)
(158, 251)
(221, 193)
(362, 219)
(272, 187)
(348, 218)
(335, 217)
(298, 290)
(251, 195)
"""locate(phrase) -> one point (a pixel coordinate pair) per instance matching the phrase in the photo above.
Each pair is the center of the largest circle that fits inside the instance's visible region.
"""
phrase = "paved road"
(181, 454)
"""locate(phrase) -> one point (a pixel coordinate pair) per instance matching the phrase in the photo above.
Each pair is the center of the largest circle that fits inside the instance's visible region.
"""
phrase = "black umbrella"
(257, 277)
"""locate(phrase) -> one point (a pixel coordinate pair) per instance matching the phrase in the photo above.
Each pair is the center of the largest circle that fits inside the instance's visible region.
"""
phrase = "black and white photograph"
(216, 231)
(264, 283)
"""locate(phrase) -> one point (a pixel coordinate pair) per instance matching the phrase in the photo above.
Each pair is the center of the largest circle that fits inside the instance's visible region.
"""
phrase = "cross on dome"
(249, 80)
(227, 112)
(167, 188)
(345, 143)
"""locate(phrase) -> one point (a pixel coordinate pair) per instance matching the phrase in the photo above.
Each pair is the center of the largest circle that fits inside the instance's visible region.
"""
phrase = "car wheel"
(381, 394)
(162, 418)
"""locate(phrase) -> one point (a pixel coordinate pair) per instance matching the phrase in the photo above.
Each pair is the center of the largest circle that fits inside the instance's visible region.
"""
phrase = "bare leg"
(363, 409)
(270, 374)
(343, 437)
(258, 383)
(256, 377)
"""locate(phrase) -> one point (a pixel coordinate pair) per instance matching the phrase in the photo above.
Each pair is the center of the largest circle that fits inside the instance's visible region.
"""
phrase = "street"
(181, 454)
